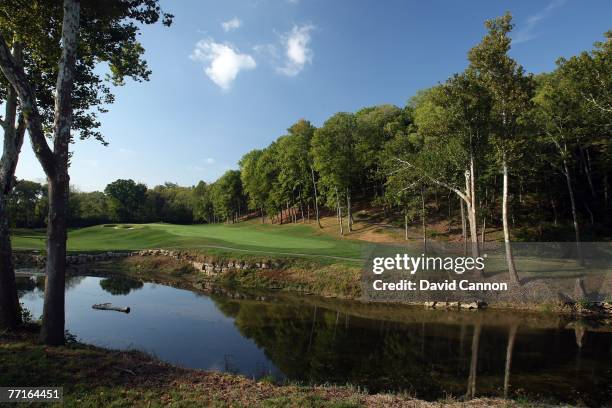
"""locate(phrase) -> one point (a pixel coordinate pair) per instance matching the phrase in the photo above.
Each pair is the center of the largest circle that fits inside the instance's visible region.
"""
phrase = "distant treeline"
(122, 201)
(488, 142)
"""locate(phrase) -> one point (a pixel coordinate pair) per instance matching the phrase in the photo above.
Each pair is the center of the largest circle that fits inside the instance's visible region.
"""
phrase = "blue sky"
(230, 76)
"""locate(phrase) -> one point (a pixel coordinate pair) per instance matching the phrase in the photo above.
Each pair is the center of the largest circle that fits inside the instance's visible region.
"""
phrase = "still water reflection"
(430, 354)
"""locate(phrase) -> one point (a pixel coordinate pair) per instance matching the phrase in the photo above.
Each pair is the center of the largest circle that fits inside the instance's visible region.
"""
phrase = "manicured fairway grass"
(272, 239)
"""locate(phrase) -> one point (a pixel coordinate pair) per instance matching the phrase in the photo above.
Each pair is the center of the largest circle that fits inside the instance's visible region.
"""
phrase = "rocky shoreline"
(209, 265)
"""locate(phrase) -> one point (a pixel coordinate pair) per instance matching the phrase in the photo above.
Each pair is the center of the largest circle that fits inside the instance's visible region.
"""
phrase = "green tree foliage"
(203, 211)
(126, 198)
(24, 204)
(334, 148)
(253, 182)
(227, 197)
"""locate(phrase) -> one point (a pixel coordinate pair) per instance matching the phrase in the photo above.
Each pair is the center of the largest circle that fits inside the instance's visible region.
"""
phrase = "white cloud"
(297, 50)
(232, 24)
(210, 160)
(224, 62)
(526, 32)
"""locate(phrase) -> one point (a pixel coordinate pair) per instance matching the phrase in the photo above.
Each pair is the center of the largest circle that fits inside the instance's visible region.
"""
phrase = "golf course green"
(288, 240)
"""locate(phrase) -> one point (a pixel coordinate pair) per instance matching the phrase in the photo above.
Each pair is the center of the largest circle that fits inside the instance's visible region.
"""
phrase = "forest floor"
(94, 377)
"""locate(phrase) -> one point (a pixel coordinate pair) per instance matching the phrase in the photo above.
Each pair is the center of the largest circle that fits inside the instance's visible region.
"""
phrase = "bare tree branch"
(436, 181)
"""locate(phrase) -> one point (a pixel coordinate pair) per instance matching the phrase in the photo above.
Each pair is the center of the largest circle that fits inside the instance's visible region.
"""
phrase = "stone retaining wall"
(210, 266)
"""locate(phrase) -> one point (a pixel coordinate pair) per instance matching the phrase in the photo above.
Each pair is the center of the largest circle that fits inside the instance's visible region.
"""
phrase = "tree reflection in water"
(120, 285)
(424, 355)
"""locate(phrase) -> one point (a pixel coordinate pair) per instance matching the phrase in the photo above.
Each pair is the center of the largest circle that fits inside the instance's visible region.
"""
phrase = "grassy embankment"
(313, 260)
(94, 377)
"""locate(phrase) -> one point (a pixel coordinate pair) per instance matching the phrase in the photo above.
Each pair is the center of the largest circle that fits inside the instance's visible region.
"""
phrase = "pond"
(428, 353)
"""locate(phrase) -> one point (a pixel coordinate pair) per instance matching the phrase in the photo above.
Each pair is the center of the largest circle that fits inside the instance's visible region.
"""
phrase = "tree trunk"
(483, 230)
(450, 213)
(463, 227)
(349, 214)
(9, 301)
(423, 217)
(10, 315)
(587, 170)
(302, 211)
(52, 330)
(554, 209)
(473, 230)
(339, 213)
(509, 257)
(470, 205)
(314, 185)
(570, 190)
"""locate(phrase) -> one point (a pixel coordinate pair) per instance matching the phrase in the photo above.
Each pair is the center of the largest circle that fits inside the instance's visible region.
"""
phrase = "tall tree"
(252, 182)
(227, 196)
(295, 166)
(90, 32)
(452, 119)
(126, 199)
(511, 91)
(335, 159)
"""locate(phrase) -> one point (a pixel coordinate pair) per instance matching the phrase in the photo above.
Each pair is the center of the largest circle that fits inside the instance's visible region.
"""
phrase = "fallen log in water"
(108, 306)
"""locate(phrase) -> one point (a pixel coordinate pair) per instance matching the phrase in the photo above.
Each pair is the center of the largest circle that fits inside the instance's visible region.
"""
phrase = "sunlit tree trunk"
(471, 214)
(570, 190)
(463, 227)
(509, 256)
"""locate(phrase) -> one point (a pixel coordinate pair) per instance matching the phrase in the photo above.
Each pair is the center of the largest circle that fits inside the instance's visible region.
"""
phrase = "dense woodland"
(451, 153)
